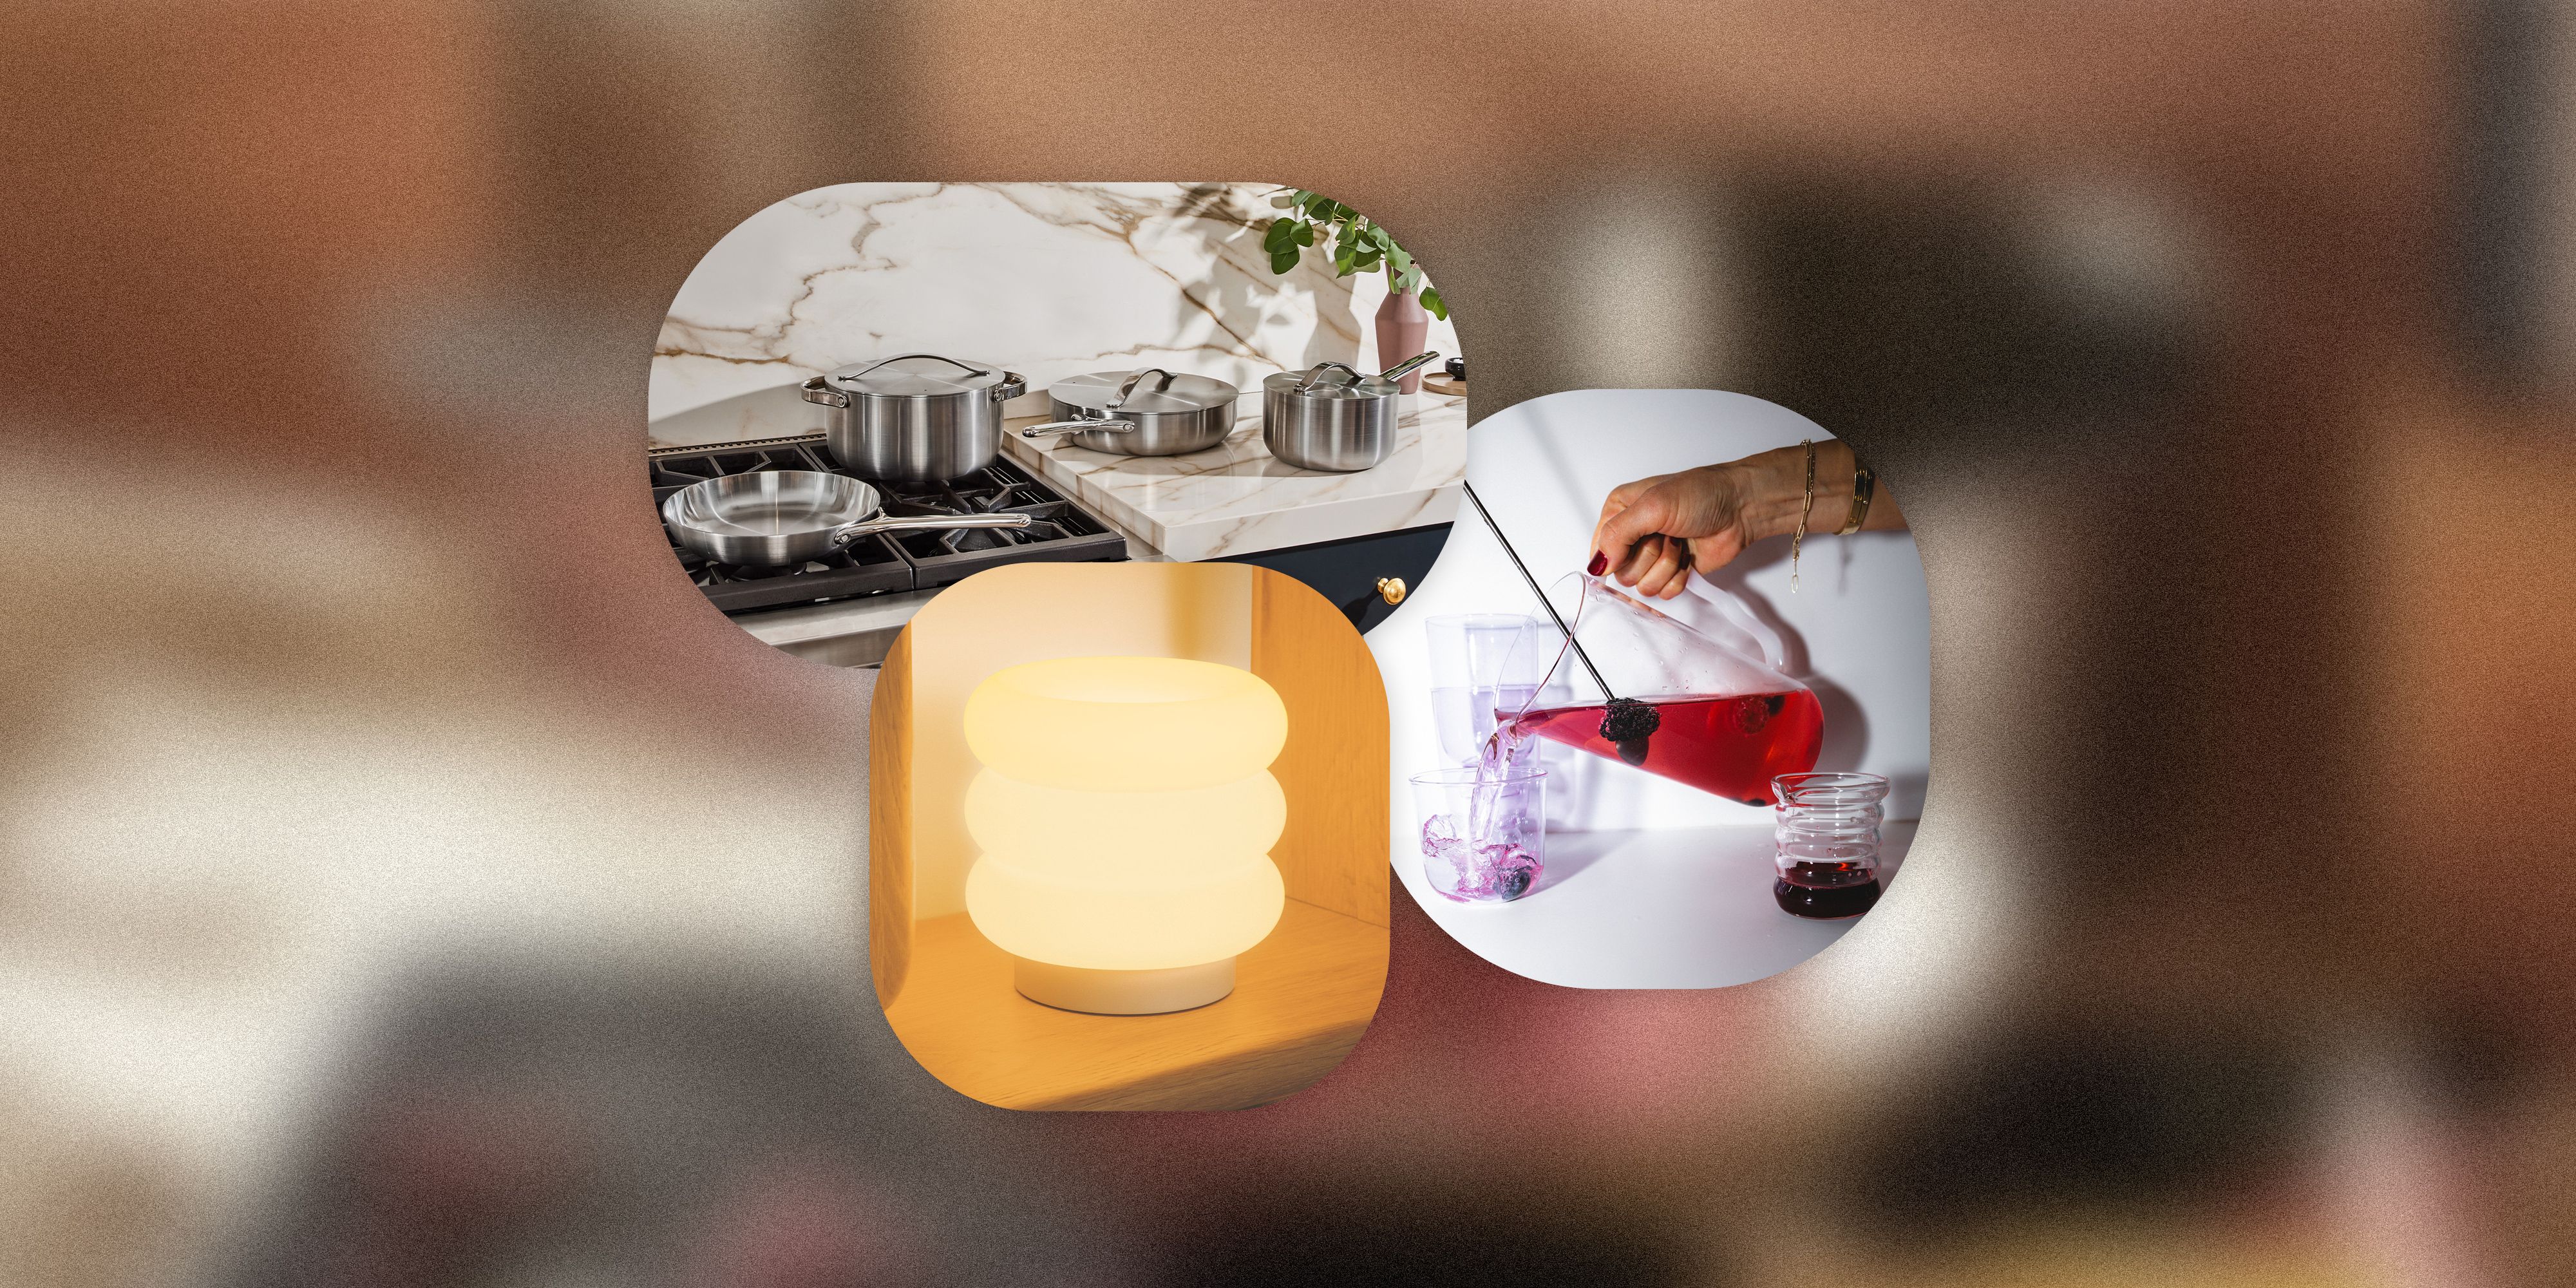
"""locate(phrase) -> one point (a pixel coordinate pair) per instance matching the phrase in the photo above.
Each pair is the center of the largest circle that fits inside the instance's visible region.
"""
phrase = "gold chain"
(1800, 538)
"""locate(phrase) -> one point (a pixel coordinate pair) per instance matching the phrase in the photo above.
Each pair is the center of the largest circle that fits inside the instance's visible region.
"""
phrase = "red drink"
(1827, 891)
(1732, 746)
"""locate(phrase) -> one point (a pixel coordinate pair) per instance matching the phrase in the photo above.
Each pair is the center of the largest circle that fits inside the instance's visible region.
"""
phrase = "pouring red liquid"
(1732, 746)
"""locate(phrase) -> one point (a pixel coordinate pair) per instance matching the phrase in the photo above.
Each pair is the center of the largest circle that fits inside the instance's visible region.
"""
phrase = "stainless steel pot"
(1316, 422)
(777, 517)
(918, 418)
(1107, 412)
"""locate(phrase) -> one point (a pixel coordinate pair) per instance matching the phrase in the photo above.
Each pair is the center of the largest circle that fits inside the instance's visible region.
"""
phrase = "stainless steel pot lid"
(1331, 381)
(914, 374)
(1156, 390)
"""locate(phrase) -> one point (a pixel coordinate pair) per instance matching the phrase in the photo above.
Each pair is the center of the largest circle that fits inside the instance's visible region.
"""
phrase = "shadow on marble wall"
(1052, 279)
(1234, 298)
(1236, 304)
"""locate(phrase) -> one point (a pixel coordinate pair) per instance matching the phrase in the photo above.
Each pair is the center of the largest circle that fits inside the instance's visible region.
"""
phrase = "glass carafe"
(1703, 704)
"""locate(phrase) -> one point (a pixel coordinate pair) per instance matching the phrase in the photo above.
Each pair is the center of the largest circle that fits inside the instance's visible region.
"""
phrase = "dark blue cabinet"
(1348, 571)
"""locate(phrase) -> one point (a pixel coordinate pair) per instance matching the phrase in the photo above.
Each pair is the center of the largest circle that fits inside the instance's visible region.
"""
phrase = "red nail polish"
(1600, 564)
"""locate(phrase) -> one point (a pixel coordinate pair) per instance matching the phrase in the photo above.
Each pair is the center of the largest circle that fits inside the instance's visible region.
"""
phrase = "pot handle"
(1013, 385)
(1405, 368)
(1055, 427)
(819, 389)
(1130, 387)
(935, 357)
(1317, 373)
(849, 532)
(822, 394)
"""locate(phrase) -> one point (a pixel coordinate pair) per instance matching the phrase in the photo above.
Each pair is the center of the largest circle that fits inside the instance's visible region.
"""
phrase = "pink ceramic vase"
(1403, 327)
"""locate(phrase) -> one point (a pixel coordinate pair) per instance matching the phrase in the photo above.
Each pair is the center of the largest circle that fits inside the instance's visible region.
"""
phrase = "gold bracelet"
(1799, 538)
(1864, 485)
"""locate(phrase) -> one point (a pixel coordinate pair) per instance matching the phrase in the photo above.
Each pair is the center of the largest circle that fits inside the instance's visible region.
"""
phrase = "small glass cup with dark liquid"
(1826, 826)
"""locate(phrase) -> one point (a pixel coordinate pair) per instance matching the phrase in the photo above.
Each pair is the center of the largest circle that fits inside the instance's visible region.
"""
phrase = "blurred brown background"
(406, 878)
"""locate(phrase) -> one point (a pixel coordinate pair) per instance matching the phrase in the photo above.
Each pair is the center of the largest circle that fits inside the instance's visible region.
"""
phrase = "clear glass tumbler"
(1483, 831)
(1474, 672)
(1826, 828)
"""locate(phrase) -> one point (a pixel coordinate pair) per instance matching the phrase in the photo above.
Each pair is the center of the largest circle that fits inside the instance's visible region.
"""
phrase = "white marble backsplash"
(1050, 280)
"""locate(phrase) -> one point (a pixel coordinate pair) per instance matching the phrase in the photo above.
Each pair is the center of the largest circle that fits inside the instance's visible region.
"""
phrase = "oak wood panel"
(1301, 1000)
(890, 823)
(1334, 769)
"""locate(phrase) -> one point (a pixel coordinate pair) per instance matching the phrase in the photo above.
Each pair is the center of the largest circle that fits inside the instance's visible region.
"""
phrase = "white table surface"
(1670, 908)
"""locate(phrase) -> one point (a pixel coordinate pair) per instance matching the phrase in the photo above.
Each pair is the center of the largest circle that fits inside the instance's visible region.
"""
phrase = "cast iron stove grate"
(922, 559)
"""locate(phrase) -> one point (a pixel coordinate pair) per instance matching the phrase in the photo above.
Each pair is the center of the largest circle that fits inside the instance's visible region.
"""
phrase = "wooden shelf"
(1301, 999)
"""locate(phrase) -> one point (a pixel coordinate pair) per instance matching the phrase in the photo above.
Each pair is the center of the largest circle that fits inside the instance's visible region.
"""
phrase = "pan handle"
(849, 532)
(1055, 427)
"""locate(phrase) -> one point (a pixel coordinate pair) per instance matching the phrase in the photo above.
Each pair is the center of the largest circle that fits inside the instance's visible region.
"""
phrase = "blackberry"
(1751, 712)
(1626, 724)
(1626, 718)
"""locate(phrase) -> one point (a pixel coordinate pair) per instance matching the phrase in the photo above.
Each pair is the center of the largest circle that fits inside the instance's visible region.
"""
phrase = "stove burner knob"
(1391, 589)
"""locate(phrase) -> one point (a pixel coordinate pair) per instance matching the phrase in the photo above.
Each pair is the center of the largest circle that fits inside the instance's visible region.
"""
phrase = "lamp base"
(1123, 992)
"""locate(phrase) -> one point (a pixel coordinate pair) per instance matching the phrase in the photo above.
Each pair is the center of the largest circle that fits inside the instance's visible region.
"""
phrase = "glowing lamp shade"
(1125, 814)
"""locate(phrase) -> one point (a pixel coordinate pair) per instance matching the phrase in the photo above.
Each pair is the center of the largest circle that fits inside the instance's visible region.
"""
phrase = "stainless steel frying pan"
(780, 517)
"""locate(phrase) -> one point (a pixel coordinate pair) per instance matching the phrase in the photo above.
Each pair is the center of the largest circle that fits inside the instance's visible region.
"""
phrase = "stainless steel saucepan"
(1106, 411)
(1314, 421)
(780, 517)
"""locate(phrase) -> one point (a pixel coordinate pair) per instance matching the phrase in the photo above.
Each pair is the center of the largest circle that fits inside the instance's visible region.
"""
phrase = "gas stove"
(885, 563)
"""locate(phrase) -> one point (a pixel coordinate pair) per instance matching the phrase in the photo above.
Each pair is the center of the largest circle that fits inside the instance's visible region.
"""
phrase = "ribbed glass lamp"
(1125, 814)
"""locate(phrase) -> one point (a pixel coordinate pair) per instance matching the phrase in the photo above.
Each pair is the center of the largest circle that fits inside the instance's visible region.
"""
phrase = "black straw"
(1626, 723)
(1515, 557)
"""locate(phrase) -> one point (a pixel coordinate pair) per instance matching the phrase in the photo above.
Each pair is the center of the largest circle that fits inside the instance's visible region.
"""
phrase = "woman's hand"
(1655, 532)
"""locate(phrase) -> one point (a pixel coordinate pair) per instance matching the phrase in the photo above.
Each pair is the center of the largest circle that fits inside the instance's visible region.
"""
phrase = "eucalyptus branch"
(1358, 246)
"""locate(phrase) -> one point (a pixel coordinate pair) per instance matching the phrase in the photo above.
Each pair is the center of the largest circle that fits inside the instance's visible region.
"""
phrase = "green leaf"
(1406, 281)
(1305, 234)
(1275, 238)
(1342, 260)
(1432, 304)
(1395, 255)
(1282, 261)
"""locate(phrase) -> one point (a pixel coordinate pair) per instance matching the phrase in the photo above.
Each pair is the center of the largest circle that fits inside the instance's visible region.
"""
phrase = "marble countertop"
(777, 412)
(1231, 499)
(1235, 498)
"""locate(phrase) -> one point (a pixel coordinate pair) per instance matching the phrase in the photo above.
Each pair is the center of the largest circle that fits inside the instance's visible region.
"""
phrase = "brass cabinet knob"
(1391, 589)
